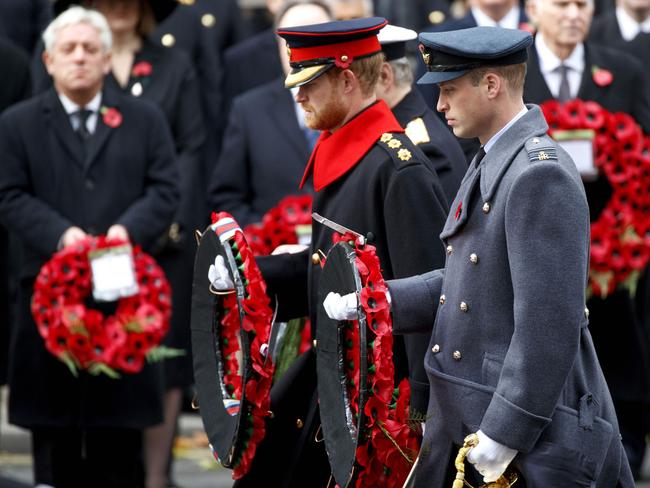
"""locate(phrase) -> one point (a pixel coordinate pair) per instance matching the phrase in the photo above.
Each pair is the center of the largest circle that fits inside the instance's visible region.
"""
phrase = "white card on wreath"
(580, 146)
(113, 273)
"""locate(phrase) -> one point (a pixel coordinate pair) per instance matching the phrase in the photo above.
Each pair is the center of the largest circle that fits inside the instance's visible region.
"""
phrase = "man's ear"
(107, 63)
(350, 81)
(386, 75)
(494, 84)
(47, 61)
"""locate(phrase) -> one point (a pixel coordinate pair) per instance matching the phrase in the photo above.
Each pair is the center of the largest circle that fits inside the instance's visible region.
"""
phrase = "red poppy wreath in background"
(86, 339)
(279, 225)
(620, 237)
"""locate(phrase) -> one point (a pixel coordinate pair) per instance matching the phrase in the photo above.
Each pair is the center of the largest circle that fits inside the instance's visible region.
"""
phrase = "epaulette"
(541, 149)
(395, 143)
(416, 130)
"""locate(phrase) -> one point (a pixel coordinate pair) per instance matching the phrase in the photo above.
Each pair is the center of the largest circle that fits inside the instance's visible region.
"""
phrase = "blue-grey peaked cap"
(449, 55)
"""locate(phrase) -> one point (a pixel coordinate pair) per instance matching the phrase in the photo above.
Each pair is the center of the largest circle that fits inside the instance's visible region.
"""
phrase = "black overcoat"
(263, 156)
(14, 87)
(129, 178)
(614, 324)
(250, 63)
(606, 32)
(23, 21)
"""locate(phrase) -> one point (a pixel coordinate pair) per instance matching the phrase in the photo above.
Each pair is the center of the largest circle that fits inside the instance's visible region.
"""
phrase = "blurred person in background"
(165, 76)
(69, 172)
(627, 27)
(23, 21)
(561, 66)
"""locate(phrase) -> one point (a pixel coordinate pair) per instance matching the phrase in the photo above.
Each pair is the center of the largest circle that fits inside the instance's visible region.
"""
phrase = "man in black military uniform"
(369, 177)
(427, 131)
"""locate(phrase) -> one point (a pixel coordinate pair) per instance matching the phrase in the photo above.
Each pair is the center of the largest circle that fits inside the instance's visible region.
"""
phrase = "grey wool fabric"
(510, 351)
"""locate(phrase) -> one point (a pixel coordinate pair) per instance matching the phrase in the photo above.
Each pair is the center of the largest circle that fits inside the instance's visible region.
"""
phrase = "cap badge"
(343, 61)
(425, 55)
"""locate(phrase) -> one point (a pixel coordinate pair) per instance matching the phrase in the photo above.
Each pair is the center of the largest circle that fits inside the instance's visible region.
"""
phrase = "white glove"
(490, 458)
(219, 276)
(339, 307)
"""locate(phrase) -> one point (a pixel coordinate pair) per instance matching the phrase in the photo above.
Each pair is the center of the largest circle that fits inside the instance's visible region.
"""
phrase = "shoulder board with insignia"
(541, 149)
(416, 130)
(397, 146)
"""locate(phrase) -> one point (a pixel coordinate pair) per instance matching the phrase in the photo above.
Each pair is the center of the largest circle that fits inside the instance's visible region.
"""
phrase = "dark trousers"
(76, 458)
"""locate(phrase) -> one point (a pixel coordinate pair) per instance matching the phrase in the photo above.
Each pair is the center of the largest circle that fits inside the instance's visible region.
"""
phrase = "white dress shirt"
(493, 140)
(549, 64)
(70, 108)
(509, 20)
(629, 27)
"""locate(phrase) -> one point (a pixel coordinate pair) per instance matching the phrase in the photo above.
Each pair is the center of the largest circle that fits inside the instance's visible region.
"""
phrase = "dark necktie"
(564, 94)
(479, 157)
(82, 117)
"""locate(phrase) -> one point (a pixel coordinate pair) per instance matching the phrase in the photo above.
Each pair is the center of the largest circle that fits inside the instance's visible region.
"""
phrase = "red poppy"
(459, 210)
(601, 76)
(111, 117)
(142, 69)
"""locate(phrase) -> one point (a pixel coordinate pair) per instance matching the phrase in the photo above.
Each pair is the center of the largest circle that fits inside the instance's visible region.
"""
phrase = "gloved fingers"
(339, 307)
(219, 276)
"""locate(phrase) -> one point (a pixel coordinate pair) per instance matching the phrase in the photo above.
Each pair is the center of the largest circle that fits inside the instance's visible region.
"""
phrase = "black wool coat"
(14, 87)
(614, 323)
(128, 177)
(263, 156)
(605, 31)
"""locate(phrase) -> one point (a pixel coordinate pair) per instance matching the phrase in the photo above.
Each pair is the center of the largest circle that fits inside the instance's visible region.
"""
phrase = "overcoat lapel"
(492, 168)
(102, 131)
(58, 120)
(588, 88)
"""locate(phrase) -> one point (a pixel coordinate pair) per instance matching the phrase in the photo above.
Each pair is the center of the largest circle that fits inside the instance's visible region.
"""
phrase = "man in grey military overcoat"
(510, 357)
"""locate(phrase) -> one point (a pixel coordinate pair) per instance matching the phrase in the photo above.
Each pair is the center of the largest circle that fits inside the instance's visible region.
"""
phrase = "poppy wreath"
(84, 338)
(278, 225)
(253, 389)
(387, 445)
(620, 237)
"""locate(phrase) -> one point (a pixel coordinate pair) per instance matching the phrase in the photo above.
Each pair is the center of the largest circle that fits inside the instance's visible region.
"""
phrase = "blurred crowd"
(199, 85)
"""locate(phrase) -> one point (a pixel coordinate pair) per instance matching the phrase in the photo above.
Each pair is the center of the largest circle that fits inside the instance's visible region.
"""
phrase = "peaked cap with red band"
(314, 49)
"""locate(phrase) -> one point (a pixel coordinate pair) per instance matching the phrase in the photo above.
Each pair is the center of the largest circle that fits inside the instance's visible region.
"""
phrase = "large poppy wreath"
(250, 390)
(620, 237)
(279, 225)
(84, 338)
(388, 445)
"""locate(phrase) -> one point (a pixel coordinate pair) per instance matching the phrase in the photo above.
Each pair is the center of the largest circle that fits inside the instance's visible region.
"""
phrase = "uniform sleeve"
(32, 219)
(230, 183)
(641, 110)
(286, 278)
(415, 210)
(547, 236)
(149, 216)
(414, 302)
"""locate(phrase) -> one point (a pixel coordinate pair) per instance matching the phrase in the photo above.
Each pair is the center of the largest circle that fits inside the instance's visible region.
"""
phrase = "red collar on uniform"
(335, 154)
